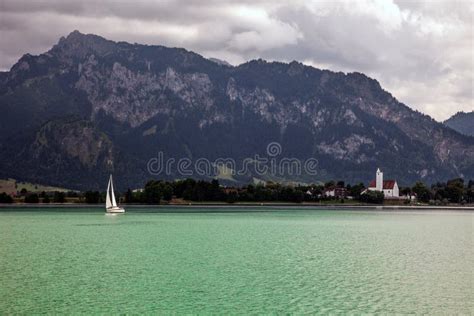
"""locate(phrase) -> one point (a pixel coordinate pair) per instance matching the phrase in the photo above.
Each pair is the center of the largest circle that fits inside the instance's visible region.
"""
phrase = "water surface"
(226, 261)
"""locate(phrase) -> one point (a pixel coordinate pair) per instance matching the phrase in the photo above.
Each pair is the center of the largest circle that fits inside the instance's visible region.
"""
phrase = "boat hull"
(115, 210)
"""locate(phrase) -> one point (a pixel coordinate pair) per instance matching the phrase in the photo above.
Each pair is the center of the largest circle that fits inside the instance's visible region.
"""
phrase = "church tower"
(379, 180)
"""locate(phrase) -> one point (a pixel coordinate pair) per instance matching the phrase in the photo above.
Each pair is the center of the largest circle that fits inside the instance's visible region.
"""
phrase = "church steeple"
(379, 180)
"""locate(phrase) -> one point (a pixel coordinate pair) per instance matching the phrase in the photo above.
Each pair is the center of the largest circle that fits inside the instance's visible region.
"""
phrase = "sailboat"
(110, 203)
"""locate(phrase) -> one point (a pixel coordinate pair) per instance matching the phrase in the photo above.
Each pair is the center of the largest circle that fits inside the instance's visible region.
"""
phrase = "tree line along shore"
(455, 191)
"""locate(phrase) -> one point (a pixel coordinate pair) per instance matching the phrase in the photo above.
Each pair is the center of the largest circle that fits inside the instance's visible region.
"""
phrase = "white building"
(335, 191)
(388, 187)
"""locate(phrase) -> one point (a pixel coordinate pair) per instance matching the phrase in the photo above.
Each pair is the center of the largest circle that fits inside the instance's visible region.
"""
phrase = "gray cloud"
(422, 52)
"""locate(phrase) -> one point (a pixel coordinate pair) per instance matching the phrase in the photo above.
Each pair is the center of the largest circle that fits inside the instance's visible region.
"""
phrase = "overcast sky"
(422, 52)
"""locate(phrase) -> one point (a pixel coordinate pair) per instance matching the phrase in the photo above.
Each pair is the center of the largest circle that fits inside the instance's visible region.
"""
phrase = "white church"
(388, 187)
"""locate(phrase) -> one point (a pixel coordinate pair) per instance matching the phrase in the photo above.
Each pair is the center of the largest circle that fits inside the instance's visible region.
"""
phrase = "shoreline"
(315, 206)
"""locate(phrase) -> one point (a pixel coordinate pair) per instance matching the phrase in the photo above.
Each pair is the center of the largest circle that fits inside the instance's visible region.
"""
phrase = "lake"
(235, 260)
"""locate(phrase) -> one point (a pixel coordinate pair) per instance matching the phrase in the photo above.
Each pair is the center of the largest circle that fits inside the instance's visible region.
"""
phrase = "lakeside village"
(378, 191)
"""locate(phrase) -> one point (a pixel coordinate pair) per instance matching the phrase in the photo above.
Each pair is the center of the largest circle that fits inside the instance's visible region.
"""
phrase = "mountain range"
(90, 106)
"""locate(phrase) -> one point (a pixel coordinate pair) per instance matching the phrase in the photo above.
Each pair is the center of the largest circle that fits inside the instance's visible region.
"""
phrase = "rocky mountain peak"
(78, 37)
(462, 122)
(77, 44)
(295, 68)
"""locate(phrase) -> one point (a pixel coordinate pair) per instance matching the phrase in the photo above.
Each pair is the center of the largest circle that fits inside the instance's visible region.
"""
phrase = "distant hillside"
(90, 107)
(11, 186)
(462, 122)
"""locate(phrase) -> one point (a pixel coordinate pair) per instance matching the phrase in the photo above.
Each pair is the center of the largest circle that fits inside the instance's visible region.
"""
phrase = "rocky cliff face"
(77, 140)
(90, 106)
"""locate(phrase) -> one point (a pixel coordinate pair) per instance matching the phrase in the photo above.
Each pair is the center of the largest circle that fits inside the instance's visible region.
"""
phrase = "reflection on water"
(116, 223)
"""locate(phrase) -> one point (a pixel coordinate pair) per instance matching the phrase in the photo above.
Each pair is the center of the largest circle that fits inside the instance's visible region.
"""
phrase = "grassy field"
(12, 186)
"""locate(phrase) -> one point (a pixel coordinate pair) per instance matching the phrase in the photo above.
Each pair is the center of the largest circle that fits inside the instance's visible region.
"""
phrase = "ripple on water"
(283, 262)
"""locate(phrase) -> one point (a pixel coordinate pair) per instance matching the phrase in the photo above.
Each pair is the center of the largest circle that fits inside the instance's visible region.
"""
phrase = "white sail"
(108, 202)
(114, 203)
(111, 206)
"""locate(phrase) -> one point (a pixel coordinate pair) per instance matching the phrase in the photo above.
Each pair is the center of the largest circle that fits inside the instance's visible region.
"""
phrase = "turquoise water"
(295, 260)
